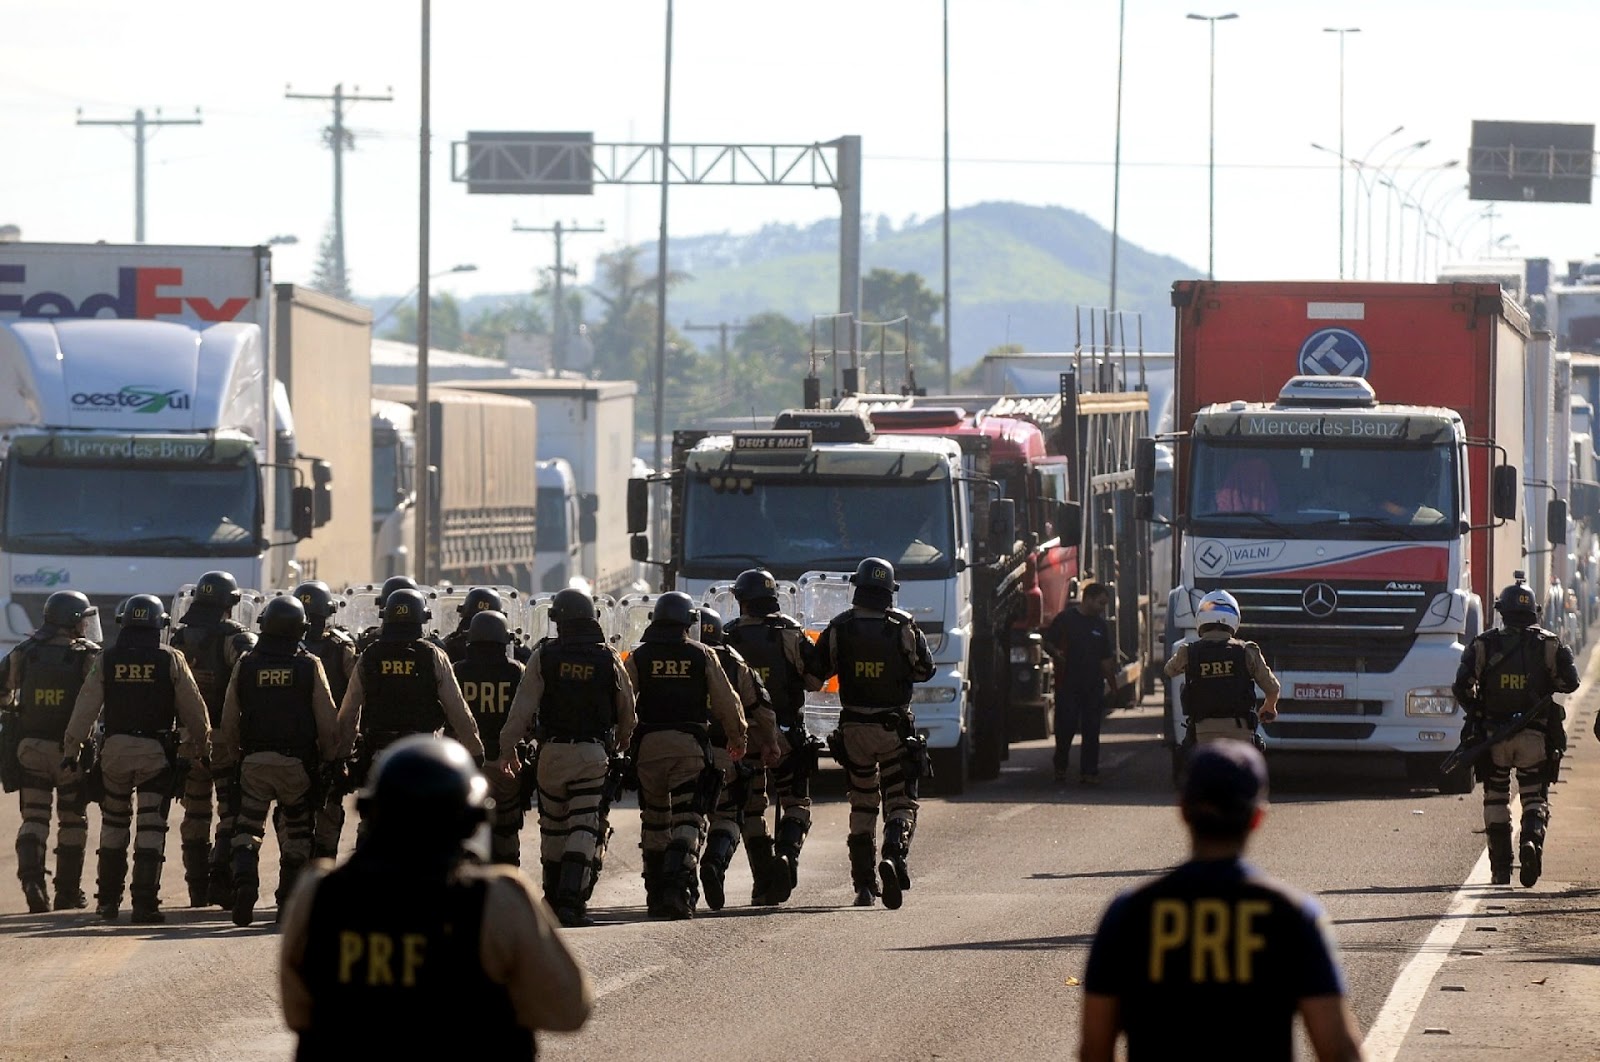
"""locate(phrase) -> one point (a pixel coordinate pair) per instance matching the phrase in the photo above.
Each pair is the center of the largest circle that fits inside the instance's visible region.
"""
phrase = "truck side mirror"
(1002, 526)
(588, 528)
(638, 506)
(1503, 492)
(1555, 522)
(321, 477)
(639, 545)
(302, 511)
(589, 504)
(1069, 522)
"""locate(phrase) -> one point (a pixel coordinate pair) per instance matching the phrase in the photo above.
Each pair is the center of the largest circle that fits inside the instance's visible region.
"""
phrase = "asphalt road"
(980, 963)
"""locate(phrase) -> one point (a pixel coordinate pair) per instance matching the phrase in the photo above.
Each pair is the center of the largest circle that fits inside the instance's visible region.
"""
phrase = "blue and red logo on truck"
(143, 292)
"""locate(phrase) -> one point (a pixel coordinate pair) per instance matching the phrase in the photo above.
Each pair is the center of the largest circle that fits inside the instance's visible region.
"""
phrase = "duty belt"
(698, 731)
(888, 718)
(564, 739)
(304, 752)
(153, 735)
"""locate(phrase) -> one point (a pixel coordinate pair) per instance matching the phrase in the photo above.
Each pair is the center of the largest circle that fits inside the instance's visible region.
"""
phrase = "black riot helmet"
(283, 617)
(753, 584)
(674, 608)
(65, 608)
(426, 789)
(710, 626)
(488, 626)
(571, 605)
(1516, 605)
(143, 612)
(316, 597)
(480, 599)
(393, 583)
(874, 573)
(406, 606)
(217, 588)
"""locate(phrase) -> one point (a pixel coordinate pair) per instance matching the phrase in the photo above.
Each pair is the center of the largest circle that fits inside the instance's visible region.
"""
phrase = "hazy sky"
(1032, 94)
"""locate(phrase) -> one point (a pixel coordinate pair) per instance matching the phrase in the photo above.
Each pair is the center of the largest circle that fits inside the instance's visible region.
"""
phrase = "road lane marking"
(1012, 812)
(623, 980)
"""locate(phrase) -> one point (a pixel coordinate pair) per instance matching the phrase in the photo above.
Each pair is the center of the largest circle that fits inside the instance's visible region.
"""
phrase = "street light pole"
(1431, 175)
(1116, 159)
(661, 247)
(419, 562)
(1378, 178)
(946, 10)
(1341, 33)
(1211, 167)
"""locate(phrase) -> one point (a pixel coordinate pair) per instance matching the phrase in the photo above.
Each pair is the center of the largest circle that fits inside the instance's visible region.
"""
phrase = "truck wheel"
(950, 769)
(988, 747)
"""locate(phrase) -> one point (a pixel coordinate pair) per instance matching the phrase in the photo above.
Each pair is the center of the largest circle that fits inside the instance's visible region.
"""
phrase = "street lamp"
(1466, 225)
(1431, 174)
(1211, 198)
(1341, 33)
(1423, 218)
(1435, 214)
(402, 300)
(1394, 157)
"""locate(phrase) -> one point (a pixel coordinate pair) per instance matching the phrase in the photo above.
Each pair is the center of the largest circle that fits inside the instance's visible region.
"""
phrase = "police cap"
(429, 787)
(316, 597)
(406, 606)
(875, 573)
(283, 617)
(572, 604)
(65, 608)
(393, 583)
(480, 599)
(489, 626)
(754, 584)
(217, 588)
(674, 608)
(142, 611)
(710, 626)
(1223, 784)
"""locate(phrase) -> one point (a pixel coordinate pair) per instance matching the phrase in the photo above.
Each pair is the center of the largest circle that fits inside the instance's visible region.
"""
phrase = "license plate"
(1318, 691)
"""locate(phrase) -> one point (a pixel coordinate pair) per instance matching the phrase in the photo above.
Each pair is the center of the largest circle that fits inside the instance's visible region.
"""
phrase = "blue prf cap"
(1230, 776)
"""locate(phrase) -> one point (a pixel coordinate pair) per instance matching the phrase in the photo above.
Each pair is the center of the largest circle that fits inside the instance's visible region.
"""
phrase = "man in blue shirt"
(1215, 951)
(1079, 640)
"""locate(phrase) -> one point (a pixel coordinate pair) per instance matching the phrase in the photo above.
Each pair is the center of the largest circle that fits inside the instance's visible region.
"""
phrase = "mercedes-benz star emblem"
(1319, 600)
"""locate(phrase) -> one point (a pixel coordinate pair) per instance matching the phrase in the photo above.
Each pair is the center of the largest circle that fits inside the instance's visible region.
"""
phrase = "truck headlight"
(933, 695)
(1431, 700)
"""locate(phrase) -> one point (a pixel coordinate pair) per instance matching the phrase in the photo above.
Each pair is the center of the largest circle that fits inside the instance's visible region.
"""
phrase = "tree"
(625, 337)
(887, 295)
(444, 323)
(328, 278)
(486, 335)
(969, 380)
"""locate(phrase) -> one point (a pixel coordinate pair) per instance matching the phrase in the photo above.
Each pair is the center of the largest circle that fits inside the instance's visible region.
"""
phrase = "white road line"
(1012, 812)
(623, 980)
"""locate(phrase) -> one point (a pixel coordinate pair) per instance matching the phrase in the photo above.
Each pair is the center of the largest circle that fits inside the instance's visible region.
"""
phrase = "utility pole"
(721, 328)
(946, 226)
(338, 138)
(140, 123)
(558, 320)
(1116, 158)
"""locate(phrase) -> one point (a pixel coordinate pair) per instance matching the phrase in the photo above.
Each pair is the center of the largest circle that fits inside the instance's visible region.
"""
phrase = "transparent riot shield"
(360, 611)
(632, 617)
(515, 604)
(542, 626)
(822, 596)
(719, 596)
(244, 613)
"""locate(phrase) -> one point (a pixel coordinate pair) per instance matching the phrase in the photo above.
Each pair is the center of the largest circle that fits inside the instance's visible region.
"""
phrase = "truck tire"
(1422, 768)
(950, 769)
(988, 744)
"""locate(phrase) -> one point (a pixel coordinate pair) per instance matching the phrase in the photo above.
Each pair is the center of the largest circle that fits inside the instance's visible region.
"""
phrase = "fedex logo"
(142, 292)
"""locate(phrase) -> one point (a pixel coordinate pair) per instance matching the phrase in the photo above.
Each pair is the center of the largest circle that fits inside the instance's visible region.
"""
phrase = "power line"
(338, 137)
(140, 125)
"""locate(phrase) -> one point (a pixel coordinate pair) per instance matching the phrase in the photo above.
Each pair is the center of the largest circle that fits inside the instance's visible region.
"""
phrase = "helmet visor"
(91, 626)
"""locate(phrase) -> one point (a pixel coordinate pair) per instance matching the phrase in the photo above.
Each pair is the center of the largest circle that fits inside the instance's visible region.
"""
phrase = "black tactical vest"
(674, 690)
(395, 970)
(732, 661)
(330, 650)
(52, 675)
(401, 688)
(873, 670)
(1217, 682)
(455, 646)
(1514, 678)
(580, 690)
(140, 697)
(762, 646)
(275, 712)
(488, 683)
(205, 647)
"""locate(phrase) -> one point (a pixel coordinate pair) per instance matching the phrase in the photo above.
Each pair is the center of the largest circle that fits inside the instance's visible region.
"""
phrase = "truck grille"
(1320, 731)
(1295, 652)
(1316, 625)
(1288, 707)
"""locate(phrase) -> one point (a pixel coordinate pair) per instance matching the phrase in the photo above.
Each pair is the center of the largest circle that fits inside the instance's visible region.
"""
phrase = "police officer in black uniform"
(334, 646)
(1505, 682)
(279, 726)
(489, 678)
(390, 585)
(1220, 674)
(405, 950)
(145, 691)
(777, 649)
(878, 652)
(402, 685)
(478, 599)
(1216, 951)
(46, 672)
(211, 642)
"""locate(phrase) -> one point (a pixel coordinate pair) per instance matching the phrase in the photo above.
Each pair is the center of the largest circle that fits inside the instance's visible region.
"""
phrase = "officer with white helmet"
(1220, 673)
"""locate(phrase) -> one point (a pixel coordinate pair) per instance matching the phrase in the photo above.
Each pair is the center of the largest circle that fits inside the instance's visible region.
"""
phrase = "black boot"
(246, 880)
(550, 879)
(197, 872)
(786, 870)
(892, 869)
(219, 878)
(570, 907)
(758, 850)
(288, 873)
(1499, 838)
(69, 879)
(109, 876)
(30, 871)
(653, 891)
(714, 866)
(863, 853)
(146, 888)
(1530, 854)
(677, 884)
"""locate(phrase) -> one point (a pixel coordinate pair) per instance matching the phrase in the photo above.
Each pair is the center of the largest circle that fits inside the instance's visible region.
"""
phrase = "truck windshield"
(550, 529)
(1339, 491)
(204, 511)
(793, 525)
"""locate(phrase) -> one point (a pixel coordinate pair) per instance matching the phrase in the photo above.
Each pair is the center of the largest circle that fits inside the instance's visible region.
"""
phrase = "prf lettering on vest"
(1217, 669)
(398, 667)
(1513, 682)
(487, 698)
(49, 698)
(869, 669)
(133, 672)
(369, 958)
(1222, 939)
(577, 672)
(275, 676)
(669, 669)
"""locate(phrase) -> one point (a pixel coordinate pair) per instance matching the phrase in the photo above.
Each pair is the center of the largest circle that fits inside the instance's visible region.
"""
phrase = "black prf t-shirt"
(1084, 641)
(1212, 943)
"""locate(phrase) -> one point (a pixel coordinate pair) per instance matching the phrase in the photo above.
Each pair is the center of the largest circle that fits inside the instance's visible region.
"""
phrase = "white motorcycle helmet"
(1219, 606)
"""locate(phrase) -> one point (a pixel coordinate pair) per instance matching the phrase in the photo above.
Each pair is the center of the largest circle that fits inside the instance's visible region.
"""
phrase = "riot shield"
(822, 596)
(720, 597)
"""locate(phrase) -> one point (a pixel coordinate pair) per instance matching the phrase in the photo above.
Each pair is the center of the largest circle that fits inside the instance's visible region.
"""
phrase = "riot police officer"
(407, 948)
(681, 690)
(390, 585)
(46, 672)
(777, 649)
(402, 685)
(478, 599)
(336, 649)
(144, 690)
(1505, 682)
(1220, 675)
(878, 652)
(211, 642)
(279, 726)
(489, 678)
(728, 819)
(577, 699)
